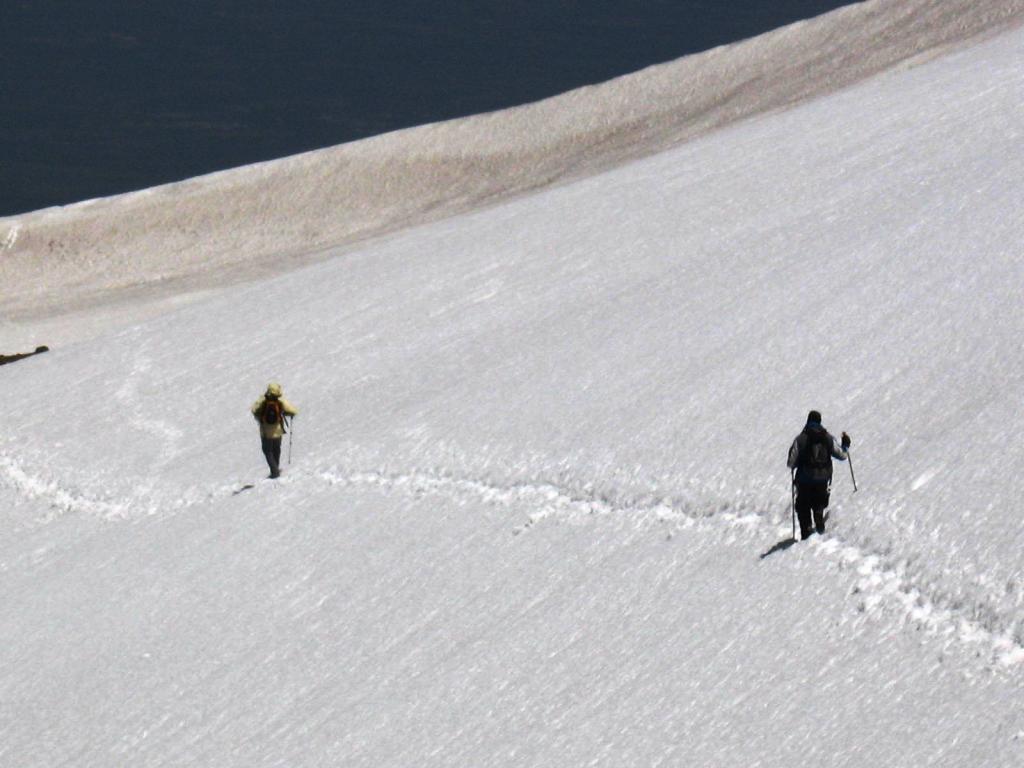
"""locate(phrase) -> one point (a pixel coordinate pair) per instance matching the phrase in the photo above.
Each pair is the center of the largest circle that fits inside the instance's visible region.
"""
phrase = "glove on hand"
(846, 441)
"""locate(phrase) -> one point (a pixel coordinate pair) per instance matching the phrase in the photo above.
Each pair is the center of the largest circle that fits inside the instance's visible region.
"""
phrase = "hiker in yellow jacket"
(273, 413)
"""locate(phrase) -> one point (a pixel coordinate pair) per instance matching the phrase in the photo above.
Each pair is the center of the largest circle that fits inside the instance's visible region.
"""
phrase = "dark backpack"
(816, 457)
(272, 412)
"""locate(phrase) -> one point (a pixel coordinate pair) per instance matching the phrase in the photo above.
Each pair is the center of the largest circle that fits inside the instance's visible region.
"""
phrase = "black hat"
(814, 416)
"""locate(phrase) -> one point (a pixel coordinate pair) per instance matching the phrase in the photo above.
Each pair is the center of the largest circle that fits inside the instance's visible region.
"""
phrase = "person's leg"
(272, 453)
(820, 505)
(819, 520)
(803, 509)
(275, 471)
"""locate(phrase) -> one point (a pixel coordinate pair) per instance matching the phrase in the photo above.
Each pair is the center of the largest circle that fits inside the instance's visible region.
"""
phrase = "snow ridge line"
(57, 498)
(61, 500)
(879, 586)
(551, 500)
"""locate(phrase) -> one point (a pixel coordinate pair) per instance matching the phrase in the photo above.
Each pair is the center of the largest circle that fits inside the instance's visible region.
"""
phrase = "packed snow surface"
(166, 242)
(537, 509)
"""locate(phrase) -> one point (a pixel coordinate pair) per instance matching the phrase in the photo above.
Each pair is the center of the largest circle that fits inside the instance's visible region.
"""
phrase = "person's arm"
(794, 454)
(289, 409)
(841, 452)
(256, 408)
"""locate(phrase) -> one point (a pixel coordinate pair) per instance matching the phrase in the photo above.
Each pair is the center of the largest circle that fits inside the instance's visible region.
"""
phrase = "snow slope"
(538, 492)
(245, 223)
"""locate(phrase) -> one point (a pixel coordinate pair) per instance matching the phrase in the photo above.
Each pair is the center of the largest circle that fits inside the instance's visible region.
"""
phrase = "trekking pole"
(792, 493)
(291, 431)
(849, 458)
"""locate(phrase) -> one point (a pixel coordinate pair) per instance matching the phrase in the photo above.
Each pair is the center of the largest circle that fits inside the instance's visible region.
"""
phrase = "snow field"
(246, 635)
(539, 459)
(881, 584)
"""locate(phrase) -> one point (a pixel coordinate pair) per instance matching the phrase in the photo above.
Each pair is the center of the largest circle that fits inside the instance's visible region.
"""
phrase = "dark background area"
(108, 96)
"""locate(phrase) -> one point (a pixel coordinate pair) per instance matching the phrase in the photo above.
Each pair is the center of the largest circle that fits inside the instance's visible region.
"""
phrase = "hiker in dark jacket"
(811, 457)
(270, 411)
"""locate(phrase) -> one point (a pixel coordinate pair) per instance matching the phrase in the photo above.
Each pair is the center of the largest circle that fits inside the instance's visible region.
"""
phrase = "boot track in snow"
(879, 585)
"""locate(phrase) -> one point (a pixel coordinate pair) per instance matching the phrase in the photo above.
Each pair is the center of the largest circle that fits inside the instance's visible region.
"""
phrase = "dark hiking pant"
(811, 500)
(272, 450)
